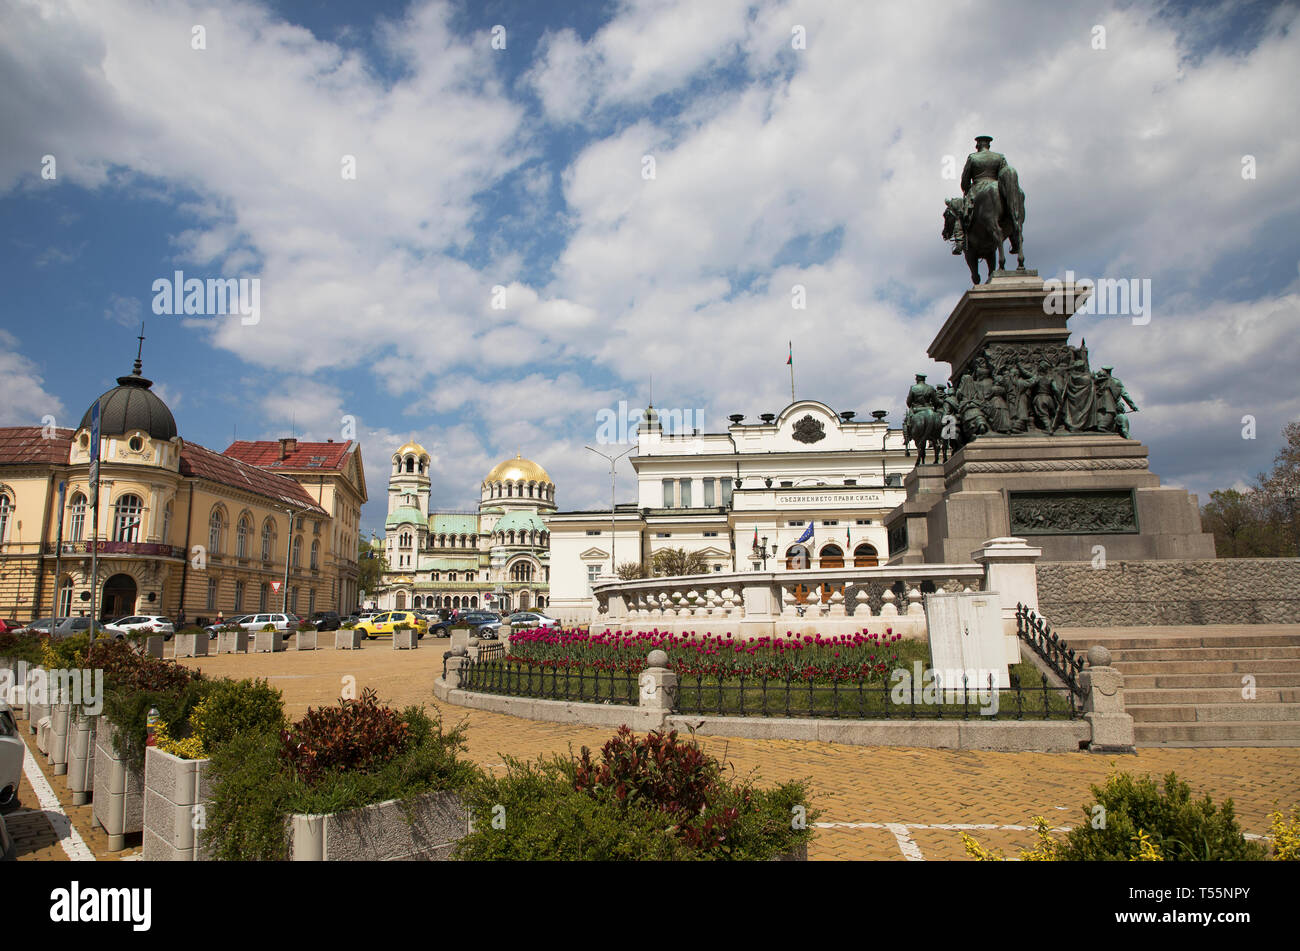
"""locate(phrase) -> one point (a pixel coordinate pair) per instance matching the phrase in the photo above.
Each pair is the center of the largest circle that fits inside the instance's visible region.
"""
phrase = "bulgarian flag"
(755, 536)
(789, 361)
(848, 537)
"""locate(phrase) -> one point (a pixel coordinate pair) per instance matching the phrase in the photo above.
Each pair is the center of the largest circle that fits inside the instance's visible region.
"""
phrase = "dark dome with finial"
(131, 406)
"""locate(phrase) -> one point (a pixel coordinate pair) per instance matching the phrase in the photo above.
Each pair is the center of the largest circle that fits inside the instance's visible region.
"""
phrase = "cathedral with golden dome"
(497, 557)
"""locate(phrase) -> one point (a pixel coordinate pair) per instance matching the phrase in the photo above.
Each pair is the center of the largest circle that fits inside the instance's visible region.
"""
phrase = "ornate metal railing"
(1058, 655)
(148, 549)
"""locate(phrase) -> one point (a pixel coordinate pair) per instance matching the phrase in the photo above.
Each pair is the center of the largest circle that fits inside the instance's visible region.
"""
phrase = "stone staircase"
(1184, 685)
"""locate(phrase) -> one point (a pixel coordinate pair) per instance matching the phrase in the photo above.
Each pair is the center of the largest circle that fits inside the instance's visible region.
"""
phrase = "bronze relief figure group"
(1012, 390)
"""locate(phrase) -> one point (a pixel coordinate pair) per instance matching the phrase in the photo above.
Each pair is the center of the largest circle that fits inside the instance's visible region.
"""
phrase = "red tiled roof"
(203, 463)
(28, 445)
(307, 455)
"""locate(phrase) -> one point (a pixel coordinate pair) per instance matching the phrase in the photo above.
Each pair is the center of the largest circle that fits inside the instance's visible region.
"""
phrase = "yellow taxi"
(383, 625)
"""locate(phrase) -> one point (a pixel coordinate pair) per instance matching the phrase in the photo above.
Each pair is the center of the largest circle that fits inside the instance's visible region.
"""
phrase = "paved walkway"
(876, 803)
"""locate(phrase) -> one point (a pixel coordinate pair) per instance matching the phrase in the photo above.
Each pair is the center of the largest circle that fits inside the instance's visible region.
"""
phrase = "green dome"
(519, 522)
(405, 514)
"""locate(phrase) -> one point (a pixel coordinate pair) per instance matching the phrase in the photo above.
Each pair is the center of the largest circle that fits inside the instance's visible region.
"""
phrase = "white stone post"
(1103, 704)
(1010, 570)
(658, 695)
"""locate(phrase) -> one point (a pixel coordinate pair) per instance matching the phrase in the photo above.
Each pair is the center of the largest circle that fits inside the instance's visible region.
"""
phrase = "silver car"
(12, 751)
(155, 622)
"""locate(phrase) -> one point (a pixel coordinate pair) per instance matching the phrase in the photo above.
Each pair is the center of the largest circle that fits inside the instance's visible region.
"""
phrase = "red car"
(7, 625)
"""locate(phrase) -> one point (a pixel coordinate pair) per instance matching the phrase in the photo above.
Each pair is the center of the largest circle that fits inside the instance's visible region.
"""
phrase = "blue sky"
(522, 168)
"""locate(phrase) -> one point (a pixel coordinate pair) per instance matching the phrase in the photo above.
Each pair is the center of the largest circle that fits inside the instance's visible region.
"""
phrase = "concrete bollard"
(1103, 705)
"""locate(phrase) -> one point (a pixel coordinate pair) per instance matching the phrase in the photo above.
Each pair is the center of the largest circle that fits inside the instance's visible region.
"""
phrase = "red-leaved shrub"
(359, 735)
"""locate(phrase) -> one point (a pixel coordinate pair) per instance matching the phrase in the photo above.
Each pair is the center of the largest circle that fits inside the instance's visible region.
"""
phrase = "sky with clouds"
(500, 269)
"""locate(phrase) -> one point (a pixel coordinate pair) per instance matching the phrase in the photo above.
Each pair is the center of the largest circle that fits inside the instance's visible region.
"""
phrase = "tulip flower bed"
(844, 657)
(846, 675)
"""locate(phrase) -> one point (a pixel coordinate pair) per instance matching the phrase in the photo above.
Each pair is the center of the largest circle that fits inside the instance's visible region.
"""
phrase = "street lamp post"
(288, 557)
(613, 525)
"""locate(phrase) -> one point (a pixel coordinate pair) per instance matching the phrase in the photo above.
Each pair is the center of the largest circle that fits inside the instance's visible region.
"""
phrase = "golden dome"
(414, 447)
(518, 469)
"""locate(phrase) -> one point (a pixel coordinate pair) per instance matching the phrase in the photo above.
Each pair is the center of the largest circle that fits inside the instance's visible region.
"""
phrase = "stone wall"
(1224, 591)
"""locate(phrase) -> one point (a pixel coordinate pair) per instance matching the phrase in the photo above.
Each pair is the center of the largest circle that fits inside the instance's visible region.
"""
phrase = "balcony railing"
(143, 549)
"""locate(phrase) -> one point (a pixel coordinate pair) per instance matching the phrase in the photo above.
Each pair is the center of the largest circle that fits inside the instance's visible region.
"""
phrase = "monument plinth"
(1039, 443)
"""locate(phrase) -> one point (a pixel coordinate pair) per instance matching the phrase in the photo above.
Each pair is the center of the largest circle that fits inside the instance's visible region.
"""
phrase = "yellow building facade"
(181, 530)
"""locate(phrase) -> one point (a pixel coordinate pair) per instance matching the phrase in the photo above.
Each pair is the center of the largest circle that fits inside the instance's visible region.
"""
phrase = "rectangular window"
(311, 602)
(710, 534)
(708, 493)
(293, 599)
(686, 493)
(592, 572)
(668, 493)
(795, 524)
(864, 521)
(830, 521)
(239, 596)
(212, 594)
(726, 492)
(664, 535)
(593, 531)
(261, 598)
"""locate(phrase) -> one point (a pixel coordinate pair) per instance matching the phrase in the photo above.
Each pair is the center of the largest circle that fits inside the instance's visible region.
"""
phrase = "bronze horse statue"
(924, 426)
(989, 216)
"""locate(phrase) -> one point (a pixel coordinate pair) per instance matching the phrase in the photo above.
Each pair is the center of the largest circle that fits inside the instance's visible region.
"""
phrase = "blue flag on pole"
(808, 533)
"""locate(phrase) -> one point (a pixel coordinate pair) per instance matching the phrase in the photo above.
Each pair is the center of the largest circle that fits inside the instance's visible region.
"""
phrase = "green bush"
(21, 646)
(192, 630)
(357, 735)
(234, 707)
(1180, 828)
(255, 786)
(651, 798)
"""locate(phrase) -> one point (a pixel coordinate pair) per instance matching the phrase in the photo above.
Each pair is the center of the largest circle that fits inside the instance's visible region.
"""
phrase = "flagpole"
(791, 362)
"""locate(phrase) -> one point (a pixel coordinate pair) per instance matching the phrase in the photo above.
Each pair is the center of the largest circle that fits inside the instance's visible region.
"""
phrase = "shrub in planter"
(25, 647)
(228, 708)
(268, 628)
(306, 626)
(655, 797)
(260, 778)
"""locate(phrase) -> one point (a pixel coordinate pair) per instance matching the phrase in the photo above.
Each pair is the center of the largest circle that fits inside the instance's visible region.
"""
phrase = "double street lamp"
(613, 525)
(760, 553)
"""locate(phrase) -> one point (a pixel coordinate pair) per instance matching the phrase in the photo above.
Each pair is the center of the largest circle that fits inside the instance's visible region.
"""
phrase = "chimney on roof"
(288, 444)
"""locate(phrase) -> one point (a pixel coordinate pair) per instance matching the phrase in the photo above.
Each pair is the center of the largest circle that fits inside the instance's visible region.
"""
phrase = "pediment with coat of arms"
(809, 429)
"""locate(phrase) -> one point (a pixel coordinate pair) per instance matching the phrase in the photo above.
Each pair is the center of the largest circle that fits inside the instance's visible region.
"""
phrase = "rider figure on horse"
(921, 394)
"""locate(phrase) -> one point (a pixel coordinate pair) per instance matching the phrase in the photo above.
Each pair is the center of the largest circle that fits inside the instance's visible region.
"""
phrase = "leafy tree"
(371, 566)
(631, 570)
(673, 562)
(1235, 520)
(1263, 521)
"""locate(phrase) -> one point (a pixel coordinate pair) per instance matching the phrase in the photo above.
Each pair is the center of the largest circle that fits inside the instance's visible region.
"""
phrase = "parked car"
(214, 628)
(12, 750)
(68, 626)
(8, 627)
(481, 623)
(533, 619)
(284, 623)
(326, 620)
(156, 622)
(383, 625)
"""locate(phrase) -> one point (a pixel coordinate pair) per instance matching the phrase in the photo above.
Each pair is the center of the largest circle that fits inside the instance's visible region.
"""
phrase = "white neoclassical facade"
(716, 493)
(496, 557)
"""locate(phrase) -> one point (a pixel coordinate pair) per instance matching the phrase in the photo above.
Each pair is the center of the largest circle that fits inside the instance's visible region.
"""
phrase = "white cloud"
(24, 401)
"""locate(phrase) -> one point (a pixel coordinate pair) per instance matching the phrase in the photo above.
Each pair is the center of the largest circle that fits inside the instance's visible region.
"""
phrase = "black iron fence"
(790, 696)
(892, 699)
(1058, 655)
(516, 679)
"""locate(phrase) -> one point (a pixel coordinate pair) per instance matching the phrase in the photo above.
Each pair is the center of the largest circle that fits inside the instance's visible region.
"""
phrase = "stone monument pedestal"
(1065, 481)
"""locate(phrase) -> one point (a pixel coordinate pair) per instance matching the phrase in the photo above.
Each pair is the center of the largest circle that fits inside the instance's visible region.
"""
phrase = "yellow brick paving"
(850, 785)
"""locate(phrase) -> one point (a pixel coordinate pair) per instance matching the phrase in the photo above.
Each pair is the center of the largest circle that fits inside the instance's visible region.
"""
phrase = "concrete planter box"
(798, 854)
(405, 640)
(35, 712)
(306, 641)
(232, 642)
(268, 642)
(347, 640)
(81, 757)
(192, 645)
(119, 789)
(153, 645)
(177, 794)
(425, 828)
(57, 748)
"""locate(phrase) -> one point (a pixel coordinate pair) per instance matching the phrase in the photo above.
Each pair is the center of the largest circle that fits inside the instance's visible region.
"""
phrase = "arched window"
(401, 600)
(126, 518)
(216, 523)
(473, 602)
(522, 571)
(865, 556)
(831, 556)
(65, 596)
(451, 576)
(315, 555)
(268, 537)
(242, 532)
(167, 523)
(297, 551)
(796, 558)
(77, 518)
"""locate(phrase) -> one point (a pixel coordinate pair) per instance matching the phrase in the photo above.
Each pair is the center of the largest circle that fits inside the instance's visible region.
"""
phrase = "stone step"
(1124, 642)
(1204, 653)
(1283, 733)
(1148, 681)
(1242, 711)
(1189, 695)
(1208, 666)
